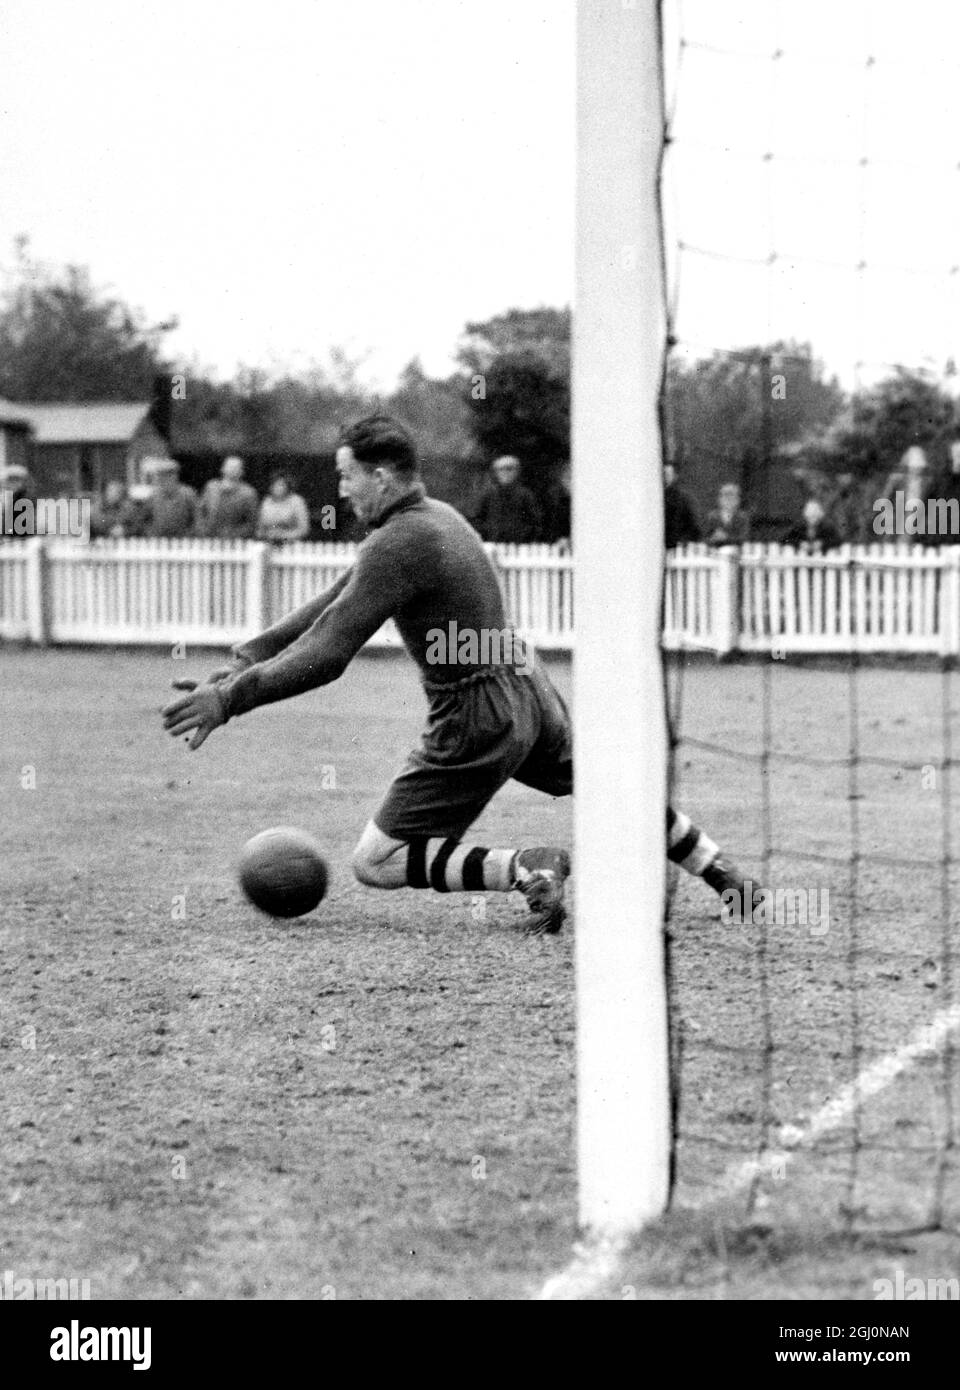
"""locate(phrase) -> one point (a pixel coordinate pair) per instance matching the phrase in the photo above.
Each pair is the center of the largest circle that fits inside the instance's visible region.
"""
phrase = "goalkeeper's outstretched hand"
(229, 668)
(201, 709)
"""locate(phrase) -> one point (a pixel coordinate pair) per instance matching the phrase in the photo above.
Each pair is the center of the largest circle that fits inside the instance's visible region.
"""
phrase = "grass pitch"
(377, 1101)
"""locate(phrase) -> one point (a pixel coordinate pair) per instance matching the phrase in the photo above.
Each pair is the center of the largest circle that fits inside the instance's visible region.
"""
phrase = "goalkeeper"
(493, 714)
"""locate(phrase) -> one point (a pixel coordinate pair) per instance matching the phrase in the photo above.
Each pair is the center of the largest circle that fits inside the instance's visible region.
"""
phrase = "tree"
(292, 413)
(748, 403)
(870, 438)
(732, 417)
(437, 414)
(434, 409)
(515, 380)
(63, 339)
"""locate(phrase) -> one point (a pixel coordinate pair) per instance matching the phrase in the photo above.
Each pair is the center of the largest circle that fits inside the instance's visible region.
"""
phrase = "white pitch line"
(831, 1115)
(596, 1262)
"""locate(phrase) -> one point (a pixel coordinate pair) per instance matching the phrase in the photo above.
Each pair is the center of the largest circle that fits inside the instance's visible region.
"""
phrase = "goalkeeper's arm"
(275, 639)
(316, 657)
(323, 651)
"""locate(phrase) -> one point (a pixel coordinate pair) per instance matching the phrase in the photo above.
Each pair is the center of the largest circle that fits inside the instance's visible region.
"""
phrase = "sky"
(285, 177)
(311, 174)
(860, 114)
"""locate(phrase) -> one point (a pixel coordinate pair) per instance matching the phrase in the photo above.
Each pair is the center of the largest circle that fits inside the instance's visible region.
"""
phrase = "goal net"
(812, 203)
(806, 325)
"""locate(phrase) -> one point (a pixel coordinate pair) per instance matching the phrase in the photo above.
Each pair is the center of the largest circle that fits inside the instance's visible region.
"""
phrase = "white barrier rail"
(874, 598)
(21, 589)
(152, 591)
(213, 593)
(890, 598)
(879, 598)
(700, 599)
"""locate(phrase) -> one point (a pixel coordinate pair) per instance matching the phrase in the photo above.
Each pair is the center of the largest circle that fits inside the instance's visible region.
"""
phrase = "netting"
(811, 197)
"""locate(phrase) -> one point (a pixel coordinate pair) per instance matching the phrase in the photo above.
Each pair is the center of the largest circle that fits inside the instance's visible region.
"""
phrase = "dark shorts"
(492, 727)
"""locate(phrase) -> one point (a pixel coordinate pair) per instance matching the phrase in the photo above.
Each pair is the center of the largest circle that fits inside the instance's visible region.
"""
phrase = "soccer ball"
(283, 872)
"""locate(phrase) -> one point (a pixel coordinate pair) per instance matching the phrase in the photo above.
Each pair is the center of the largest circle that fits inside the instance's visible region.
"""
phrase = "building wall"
(101, 464)
(70, 470)
(55, 469)
(148, 442)
(13, 447)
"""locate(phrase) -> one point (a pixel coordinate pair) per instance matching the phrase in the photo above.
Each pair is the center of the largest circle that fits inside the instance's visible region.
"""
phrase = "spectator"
(114, 514)
(680, 525)
(18, 481)
(945, 487)
(139, 497)
(848, 509)
(813, 535)
(911, 477)
(508, 511)
(228, 507)
(283, 513)
(557, 510)
(728, 524)
(173, 505)
(17, 486)
(910, 481)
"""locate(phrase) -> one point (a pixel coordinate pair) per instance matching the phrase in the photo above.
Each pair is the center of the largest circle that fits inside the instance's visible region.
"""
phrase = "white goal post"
(623, 1119)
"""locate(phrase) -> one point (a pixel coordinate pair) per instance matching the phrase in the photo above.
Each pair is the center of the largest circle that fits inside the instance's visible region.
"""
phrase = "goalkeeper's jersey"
(424, 566)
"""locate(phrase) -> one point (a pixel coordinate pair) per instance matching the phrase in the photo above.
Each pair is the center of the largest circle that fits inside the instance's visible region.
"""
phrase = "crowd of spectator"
(836, 512)
(160, 505)
(845, 518)
(227, 509)
(507, 511)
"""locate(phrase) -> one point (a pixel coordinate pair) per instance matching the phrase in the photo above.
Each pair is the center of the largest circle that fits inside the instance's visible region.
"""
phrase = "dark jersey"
(509, 513)
(173, 513)
(425, 567)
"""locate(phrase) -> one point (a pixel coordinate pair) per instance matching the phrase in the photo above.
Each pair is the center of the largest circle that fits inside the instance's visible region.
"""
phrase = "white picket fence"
(768, 598)
(879, 598)
(212, 593)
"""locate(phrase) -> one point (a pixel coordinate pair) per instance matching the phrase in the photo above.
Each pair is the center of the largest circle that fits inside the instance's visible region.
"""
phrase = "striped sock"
(452, 867)
(688, 846)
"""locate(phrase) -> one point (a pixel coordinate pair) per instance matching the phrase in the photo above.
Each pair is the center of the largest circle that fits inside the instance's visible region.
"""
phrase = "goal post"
(623, 1085)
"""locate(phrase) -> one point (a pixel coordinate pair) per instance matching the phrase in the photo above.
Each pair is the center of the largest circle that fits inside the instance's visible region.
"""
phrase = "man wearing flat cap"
(173, 505)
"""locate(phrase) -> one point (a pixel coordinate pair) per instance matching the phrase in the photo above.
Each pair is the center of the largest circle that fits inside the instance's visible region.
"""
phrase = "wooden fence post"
(726, 600)
(257, 596)
(37, 591)
(950, 601)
